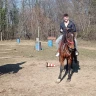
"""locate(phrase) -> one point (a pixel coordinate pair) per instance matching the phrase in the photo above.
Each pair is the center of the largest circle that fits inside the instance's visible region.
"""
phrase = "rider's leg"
(58, 43)
(76, 52)
(75, 41)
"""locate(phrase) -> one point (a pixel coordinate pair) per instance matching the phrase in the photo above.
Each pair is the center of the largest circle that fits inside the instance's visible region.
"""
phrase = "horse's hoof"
(58, 81)
(68, 80)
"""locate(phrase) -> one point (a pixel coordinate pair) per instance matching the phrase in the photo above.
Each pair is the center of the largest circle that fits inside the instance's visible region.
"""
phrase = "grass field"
(23, 70)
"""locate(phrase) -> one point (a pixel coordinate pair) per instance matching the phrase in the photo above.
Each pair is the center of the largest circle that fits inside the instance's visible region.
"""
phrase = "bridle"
(68, 43)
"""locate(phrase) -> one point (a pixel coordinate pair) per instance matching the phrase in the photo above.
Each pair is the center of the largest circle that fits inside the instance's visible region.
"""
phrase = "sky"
(19, 2)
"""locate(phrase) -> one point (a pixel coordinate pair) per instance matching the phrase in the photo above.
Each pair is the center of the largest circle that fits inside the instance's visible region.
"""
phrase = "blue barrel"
(38, 46)
(50, 43)
(18, 40)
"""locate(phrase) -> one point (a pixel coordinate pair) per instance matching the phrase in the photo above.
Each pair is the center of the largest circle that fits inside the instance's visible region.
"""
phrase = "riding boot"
(76, 52)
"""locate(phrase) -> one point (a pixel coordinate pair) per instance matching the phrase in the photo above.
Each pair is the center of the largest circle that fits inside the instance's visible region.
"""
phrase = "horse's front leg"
(61, 59)
(69, 68)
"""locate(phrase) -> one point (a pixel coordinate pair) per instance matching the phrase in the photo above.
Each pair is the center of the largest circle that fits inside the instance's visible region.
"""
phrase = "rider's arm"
(74, 30)
(73, 27)
(61, 28)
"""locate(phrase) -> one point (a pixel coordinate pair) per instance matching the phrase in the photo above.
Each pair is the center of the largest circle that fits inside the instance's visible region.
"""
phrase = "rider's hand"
(61, 30)
(67, 29)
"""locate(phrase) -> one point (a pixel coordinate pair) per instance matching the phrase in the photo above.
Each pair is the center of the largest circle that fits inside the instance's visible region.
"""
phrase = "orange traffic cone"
(49, 65)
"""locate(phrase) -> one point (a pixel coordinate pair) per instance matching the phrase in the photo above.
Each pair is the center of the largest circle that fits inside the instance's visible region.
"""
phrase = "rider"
(70, 27)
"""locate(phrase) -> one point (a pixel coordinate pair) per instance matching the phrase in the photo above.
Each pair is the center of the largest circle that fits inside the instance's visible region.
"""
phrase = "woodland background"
(21, 18)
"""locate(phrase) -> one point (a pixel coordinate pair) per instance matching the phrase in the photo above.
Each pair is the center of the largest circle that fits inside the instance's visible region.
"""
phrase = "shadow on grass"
(75, 69)
(10, 68)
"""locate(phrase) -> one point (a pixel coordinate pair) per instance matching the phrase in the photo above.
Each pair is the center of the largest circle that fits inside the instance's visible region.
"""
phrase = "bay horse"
(66, 51)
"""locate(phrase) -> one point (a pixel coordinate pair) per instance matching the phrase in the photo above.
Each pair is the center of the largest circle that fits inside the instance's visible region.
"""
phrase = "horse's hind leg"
(61, 59)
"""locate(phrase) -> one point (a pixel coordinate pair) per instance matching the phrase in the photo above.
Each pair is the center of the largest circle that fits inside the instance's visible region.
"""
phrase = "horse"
(66, 51)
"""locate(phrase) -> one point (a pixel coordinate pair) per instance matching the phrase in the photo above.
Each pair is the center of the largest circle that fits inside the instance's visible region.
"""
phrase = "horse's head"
(70, 40)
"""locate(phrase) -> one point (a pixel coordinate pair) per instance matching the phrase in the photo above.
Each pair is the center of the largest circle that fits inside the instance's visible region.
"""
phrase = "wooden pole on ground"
(37, 39)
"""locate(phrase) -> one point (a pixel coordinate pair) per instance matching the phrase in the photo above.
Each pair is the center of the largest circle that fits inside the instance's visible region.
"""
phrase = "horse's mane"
(64, 38)
(67, 36)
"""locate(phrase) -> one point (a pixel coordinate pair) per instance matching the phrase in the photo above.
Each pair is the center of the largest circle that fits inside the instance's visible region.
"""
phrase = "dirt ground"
(23, 71)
